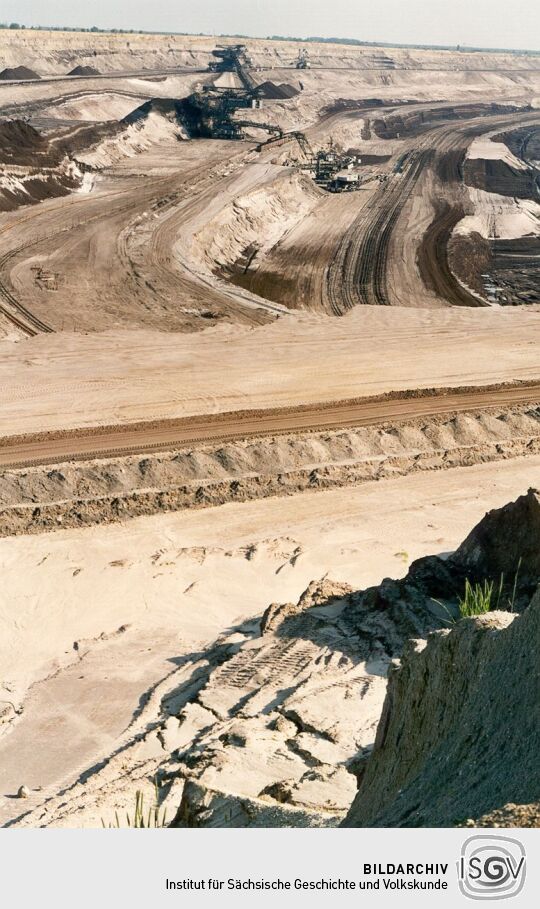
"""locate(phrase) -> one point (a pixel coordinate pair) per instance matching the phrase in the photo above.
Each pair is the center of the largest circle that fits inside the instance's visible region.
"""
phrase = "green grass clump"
(141, 819)
(476, 600)
(480, 598)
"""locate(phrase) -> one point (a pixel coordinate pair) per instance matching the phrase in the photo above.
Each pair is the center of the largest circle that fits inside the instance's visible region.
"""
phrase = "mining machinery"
(280, 138)
(268, 127)
(209, 113)
(303, 61)
(304, 144)
(233, 58)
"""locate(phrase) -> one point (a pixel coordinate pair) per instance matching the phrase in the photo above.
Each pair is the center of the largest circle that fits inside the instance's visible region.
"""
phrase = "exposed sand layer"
(40, 100)
(59, 382)
(175, 585)
(106, 491)
(101, 106)
(53, 52)
(136, 136)
(465, 744)
(495, 249)
(501, 165)
(23, 186)
(498, 217)
(488, 149)
(252, 224)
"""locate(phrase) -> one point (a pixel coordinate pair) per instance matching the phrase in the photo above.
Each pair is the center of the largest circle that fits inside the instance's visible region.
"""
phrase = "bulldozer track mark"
(170, 435)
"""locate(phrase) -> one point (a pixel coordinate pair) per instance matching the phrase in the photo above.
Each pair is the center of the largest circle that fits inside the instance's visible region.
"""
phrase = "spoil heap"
(31, 167)
(18, 73)
(21, 144)
(84, 71)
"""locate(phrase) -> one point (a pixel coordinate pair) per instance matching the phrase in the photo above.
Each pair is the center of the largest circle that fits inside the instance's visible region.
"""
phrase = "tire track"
(358, 273)
(118, 441)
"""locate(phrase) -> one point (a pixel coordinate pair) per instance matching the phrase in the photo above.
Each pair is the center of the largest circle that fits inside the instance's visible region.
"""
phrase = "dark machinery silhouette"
(233, 58)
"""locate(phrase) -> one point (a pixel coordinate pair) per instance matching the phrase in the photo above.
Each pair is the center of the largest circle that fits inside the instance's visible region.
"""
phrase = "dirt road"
(111, 441)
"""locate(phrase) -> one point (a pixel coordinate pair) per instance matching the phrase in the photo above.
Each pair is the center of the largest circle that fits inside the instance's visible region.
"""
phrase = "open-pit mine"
(269, 352)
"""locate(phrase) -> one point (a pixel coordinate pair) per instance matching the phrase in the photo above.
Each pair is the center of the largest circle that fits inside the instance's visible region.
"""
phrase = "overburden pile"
(18, 73)
(84, 71)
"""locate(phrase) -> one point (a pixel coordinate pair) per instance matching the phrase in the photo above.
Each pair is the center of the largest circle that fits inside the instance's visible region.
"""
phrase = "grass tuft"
(480, 598)
(476, 600)
(141, 819)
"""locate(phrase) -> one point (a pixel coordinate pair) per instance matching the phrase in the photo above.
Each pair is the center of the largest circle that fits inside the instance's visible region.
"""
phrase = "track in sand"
(114, 441)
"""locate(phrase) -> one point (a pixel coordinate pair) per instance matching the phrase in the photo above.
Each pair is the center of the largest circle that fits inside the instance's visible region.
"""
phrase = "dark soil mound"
(505, 541)
(343, 104)
(18, 72)
(368, 159)
(277, 92)
(36, 189)
(20, 143)
(84, 71)
(167, 107)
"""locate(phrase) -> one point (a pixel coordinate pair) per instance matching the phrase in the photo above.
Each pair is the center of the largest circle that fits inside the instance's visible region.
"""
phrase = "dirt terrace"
(204, 303)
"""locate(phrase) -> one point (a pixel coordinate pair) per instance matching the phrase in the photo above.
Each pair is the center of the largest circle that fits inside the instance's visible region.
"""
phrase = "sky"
(482, 23)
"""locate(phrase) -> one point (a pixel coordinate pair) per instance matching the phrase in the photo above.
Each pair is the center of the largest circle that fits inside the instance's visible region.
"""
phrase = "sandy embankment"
(193, 476)
(253, 224)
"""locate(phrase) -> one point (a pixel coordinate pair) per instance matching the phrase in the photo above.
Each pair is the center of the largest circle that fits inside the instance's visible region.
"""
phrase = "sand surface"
(73, 380)
(500, 217)
(94, 621)
(174, 582)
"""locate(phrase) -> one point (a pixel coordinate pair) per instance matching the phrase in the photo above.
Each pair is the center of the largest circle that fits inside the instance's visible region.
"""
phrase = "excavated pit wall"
(81, 493)
(458, 734)
(253, 223)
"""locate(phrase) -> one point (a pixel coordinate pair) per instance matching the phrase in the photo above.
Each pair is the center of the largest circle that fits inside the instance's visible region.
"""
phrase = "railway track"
(358, 273)
(12, 309)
